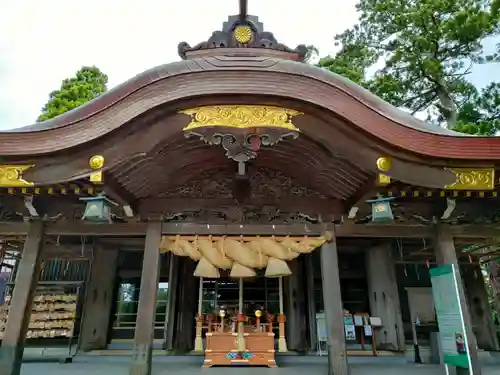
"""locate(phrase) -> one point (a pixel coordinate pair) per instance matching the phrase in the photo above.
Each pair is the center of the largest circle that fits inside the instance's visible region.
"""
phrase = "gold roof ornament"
(384, 164)
(243, 34)
(472, 179)
(12, 175)
(241, 117)
(96, 162)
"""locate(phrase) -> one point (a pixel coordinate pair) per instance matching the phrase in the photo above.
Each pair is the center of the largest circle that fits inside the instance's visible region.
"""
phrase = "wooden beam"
(118, 194)
(475, 231)
(468, 233)
(309, 205)
(366, 192)
(14, 228)
(81, 228)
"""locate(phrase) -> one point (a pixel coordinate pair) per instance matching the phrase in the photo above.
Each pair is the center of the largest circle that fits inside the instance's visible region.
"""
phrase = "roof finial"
(242, 35)
(243, 10)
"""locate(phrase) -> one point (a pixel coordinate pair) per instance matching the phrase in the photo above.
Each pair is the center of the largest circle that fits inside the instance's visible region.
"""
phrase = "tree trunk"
(447, 106)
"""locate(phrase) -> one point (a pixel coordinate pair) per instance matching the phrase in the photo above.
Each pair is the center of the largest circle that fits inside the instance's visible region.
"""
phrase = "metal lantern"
(381, 209)
(98, 208)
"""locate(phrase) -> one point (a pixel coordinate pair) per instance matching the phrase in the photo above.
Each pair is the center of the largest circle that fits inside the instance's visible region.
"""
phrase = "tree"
(87, 84)
(425, 48)
(480, 115)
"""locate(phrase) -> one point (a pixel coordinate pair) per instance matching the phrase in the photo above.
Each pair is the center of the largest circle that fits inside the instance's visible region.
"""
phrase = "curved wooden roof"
(249, 76)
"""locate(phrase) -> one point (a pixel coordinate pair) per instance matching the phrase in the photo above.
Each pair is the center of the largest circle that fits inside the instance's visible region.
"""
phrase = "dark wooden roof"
(303, 84)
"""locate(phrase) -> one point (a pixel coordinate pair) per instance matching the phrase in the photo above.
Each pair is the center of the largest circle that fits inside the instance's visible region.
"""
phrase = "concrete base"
(189, 365)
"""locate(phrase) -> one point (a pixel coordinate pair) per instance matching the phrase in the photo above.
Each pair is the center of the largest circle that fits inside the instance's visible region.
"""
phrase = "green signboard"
(449, 316)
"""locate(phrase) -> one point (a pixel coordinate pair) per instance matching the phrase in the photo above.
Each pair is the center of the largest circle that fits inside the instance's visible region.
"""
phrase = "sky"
(44, 42)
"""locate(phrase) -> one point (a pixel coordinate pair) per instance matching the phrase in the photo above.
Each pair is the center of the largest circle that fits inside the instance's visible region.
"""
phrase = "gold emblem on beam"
(384, 164)
(96, 162)
(12, 175)
(472, 179)
(241, 117)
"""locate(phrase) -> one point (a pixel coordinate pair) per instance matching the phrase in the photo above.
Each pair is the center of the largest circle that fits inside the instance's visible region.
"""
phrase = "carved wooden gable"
(264, 183)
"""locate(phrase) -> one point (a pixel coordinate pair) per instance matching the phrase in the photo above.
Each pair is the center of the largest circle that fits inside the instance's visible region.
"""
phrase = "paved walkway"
(192, 366)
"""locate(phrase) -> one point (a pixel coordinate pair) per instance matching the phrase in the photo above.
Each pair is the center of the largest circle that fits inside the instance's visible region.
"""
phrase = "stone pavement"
(87, 365)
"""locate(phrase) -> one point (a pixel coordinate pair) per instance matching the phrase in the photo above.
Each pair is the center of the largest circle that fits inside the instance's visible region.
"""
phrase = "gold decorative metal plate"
(384, 163)
(12, 175)
(383, 179)
(243, 34)
(241, 117)
(472, 179)
(96, 162)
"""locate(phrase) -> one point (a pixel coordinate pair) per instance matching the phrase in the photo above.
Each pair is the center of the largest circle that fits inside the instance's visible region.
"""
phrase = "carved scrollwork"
(264, 182)
(241, 147)
(12, 175)
(241, 117)
(242, 214)
(472, 179)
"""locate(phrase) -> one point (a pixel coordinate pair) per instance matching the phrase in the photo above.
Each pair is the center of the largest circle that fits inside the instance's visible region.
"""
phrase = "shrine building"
(241, 204)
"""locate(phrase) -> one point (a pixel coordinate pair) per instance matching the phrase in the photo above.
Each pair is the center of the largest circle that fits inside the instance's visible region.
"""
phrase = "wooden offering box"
(222, 349)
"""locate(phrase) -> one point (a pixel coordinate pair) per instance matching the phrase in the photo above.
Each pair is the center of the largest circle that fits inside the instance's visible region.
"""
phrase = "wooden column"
(446, 254)
(295, 306)
(479, 307)
(384, 297)
(173, 282)
(311, 302)
(186, 306)
(144, 330)
(494, 279)
(28, 272)
(334, 312)
(99, 301)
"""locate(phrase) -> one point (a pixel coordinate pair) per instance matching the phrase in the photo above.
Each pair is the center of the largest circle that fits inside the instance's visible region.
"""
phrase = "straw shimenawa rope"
(242, 255)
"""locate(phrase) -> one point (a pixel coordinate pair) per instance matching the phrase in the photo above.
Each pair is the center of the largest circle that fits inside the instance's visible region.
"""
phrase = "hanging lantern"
(381, 209)
(98, 208)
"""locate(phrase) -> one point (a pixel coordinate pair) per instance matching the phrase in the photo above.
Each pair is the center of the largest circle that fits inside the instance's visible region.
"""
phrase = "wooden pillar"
(186, 306)
(384, 297)
(144, 329)
(11, 351)
(295, 311)
(334, 312)
(494, 279)
(479, 307)
(173, 282)
(311, 302)
(446, 254)
(99, 300)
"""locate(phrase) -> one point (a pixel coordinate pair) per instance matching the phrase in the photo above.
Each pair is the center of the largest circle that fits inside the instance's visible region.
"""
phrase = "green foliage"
(87, 84)
(423, 49)
(481, 114)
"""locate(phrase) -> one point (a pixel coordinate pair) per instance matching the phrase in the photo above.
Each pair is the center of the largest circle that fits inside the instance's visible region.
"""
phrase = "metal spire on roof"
(243, 9)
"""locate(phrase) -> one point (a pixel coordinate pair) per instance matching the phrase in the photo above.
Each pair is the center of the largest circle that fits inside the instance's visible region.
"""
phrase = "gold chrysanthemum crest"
(243, 34)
